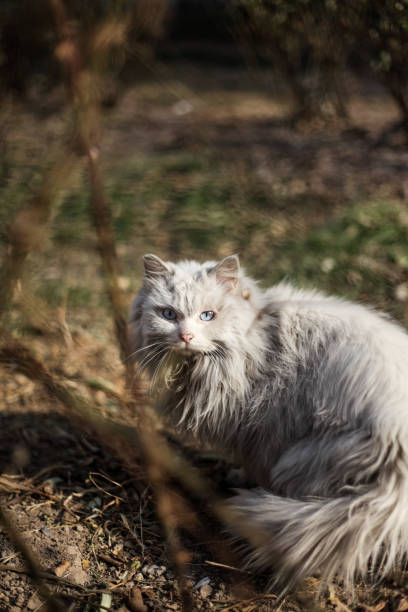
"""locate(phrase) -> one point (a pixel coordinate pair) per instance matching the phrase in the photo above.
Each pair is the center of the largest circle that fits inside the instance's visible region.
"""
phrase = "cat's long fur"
(308, 392)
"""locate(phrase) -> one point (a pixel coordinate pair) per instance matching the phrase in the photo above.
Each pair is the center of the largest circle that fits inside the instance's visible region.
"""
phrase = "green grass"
(361, 253)
(188, 207)
(182, 205)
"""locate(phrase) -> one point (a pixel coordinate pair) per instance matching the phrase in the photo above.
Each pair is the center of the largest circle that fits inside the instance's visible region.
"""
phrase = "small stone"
(95, 502)
(202, 582)
(401, 292)
(154, 571)
(182, 107)
(34, 602)
(78, 575)
(123, 282)
(327, 264)
(205, 591)
(21, 379)
(20, 456)
(46, 531)
(100, 397)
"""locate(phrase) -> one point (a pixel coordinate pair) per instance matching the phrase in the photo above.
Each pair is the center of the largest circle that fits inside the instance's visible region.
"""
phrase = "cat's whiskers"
(144, 348)
(151, 359)
(151, 356)
(159, 367)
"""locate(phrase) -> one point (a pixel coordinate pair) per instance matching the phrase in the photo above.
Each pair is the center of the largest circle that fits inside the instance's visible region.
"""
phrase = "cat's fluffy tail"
(344, 536)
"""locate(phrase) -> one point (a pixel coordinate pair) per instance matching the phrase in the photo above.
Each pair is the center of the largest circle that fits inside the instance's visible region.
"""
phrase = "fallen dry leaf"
(61, 569)
(403, 605)
(377, 608)
(135, 600)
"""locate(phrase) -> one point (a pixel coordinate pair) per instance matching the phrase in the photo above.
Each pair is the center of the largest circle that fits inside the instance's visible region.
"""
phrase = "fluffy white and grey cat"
(308, 392)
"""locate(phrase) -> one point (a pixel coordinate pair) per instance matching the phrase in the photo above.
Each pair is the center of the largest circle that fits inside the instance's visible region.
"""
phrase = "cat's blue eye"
(169, 314)
(207, 315)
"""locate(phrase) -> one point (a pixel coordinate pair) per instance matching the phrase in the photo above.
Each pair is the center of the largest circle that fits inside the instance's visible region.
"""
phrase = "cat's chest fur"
(316, 373)
(242, 406)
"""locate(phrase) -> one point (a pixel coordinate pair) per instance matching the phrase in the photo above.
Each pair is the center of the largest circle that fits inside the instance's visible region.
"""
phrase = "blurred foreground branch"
(84, 81)
(130, 443)
(28, 229)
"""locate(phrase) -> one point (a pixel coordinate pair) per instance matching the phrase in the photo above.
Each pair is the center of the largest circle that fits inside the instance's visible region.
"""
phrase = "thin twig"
(336, 601)
(228, 567)
(101, 217)
(244, 602)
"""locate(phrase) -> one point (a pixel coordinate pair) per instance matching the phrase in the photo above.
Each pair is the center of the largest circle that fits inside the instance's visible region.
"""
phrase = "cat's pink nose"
(187, 338)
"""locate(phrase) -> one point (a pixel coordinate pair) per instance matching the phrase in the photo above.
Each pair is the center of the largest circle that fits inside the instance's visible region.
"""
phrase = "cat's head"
(191, 308)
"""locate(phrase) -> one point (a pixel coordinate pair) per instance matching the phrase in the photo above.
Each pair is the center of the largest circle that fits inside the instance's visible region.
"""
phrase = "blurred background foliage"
(272, 128)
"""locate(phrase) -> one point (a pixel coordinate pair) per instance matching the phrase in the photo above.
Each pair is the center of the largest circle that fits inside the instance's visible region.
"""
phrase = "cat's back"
(331, 330)
(314, 310)
(345, 356)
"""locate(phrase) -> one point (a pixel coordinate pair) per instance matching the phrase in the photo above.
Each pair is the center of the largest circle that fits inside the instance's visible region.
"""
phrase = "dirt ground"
(91, 523)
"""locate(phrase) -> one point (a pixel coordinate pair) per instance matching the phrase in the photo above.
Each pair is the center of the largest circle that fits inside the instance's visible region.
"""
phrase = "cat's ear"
(227, 271)
(154, 267)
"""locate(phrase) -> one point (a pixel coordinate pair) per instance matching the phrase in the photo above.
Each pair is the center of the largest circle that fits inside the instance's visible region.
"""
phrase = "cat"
(308, 392)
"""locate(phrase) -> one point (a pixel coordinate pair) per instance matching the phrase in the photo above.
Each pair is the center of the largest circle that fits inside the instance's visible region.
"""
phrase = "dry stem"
(88, 107)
